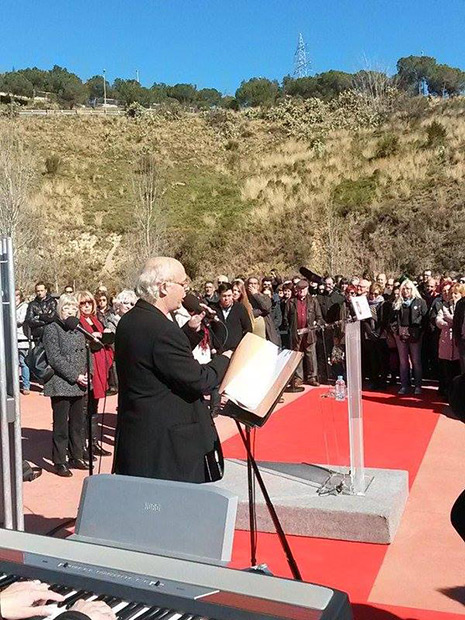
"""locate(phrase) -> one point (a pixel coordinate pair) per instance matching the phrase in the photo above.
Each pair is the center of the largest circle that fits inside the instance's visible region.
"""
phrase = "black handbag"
(36, 360)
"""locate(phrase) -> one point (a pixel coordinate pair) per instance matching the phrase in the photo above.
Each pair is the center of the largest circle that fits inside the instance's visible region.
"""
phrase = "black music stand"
(249, 420)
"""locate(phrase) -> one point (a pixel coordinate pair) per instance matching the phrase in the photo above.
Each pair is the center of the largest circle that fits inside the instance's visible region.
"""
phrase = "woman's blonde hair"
(66, 300)
(458, 288)
(86, 296)
(415, 293)
(244, 299)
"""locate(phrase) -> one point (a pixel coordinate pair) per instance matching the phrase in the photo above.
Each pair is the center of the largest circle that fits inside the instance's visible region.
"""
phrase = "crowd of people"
(416, 331)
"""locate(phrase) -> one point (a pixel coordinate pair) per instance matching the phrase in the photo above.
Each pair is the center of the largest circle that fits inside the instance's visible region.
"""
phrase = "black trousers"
(68, 423)
(448, 370)
(457, 515)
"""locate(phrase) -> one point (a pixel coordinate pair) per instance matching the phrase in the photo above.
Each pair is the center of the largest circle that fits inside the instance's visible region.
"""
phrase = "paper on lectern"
(257, 373)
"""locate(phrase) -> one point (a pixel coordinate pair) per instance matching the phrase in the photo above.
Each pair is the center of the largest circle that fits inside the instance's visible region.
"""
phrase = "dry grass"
(281, 187)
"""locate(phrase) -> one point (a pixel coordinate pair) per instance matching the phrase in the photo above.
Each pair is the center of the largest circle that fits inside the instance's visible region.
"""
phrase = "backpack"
(36, 360)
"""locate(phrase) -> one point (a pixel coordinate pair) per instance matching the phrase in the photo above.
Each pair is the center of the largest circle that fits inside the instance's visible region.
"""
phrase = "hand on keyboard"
(25, 599)
(96, 610)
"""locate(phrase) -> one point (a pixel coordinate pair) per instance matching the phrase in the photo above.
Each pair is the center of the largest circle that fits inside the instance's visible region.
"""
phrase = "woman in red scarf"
(102, 360)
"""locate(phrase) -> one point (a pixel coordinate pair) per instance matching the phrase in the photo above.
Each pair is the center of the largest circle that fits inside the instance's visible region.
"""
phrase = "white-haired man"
(164, 427)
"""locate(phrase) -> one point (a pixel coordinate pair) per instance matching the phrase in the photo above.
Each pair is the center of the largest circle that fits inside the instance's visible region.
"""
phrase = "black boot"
(99, 450)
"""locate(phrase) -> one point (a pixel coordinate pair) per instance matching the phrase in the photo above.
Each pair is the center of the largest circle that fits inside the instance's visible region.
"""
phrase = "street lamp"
(104, 89)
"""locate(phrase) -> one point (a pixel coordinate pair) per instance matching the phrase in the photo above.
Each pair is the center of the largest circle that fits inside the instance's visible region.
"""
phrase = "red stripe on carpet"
(314, 429)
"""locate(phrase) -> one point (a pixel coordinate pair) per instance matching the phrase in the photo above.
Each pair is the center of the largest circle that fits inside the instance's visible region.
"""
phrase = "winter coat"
(458, 326)
(108, 319)
(330, 304)
(417, 318)
(102, 359)
(21, 335)
(314, 317)
(66, 354)
(262, 306)
(448, 349)
(40, 312)
(164, 429)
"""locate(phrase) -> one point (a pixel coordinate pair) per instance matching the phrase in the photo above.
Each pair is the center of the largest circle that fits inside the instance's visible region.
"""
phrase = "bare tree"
(375, 84)
(17, 177)
(149, 212)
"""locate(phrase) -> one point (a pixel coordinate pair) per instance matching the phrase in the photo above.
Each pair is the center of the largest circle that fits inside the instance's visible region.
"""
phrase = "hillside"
(339, 186)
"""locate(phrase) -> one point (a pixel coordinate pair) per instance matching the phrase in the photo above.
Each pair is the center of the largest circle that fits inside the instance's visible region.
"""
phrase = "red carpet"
(313, 429)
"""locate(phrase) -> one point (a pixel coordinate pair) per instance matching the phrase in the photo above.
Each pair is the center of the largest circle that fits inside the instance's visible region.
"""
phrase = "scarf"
(377, 301)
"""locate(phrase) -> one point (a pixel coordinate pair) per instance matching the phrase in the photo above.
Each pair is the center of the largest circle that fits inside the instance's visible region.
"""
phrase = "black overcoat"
(164, 427)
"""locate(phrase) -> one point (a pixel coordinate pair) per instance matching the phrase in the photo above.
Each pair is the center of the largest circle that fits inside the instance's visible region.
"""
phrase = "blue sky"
(218, 43)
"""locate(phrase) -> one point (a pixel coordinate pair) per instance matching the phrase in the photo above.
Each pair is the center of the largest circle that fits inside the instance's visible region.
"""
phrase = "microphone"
(72, 322)
(192, 304)
(311, 275)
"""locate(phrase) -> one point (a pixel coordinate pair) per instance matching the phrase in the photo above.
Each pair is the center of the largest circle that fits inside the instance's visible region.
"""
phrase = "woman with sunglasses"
(102, 359)
(105, 313)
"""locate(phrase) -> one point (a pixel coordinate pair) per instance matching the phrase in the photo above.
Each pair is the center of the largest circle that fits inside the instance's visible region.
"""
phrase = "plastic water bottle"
(340, 392)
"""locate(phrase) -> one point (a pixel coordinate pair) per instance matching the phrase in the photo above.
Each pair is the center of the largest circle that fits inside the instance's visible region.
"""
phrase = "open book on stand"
(256, 376)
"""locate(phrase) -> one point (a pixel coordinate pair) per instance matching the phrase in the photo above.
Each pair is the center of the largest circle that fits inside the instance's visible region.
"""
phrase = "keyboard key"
(149, 613)
(71, 599)
(126, 612)
(8, 581)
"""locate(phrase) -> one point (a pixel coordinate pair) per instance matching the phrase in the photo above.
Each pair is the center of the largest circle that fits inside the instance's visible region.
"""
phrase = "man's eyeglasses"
(184, 284)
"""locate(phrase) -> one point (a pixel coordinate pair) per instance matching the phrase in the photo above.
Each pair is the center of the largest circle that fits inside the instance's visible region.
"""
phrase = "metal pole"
(104, 88)
(5, 439)
(17, 409)
(253, 546)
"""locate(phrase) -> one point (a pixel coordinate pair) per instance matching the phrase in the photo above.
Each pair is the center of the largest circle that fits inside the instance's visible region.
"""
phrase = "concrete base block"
(373, 517)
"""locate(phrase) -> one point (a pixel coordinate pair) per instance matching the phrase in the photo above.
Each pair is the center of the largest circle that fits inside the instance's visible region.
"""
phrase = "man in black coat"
(330, 302)
(234, 316)
(41, 311)
(164, 428)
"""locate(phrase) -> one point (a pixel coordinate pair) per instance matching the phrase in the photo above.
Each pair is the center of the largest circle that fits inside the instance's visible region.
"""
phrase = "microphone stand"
(90, 447)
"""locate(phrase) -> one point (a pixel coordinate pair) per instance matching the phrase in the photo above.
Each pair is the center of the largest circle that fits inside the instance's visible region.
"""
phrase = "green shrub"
(352, 195)
(387, 146)
(53, 164)
(135, 110)
(436, 135)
